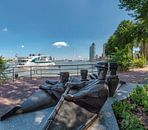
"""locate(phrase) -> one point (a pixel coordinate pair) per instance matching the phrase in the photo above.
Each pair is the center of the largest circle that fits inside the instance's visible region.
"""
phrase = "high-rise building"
(92, 52)
(103, 54)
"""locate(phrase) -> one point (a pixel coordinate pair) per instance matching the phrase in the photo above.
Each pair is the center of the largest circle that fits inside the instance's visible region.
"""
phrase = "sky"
(60, 28)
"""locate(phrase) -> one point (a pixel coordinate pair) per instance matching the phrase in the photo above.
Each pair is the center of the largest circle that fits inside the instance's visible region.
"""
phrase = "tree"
(139, 10)
(122, 37)
(141, 33)
(110, 45)
(119, 46)
(125, 35)
(122, 58)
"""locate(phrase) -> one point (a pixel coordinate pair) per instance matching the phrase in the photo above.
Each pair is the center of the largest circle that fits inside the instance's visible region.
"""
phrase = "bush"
(126, 110)
(2, 64)
(2, 68)
(140, 96)
(131, 122)
(139, 63)
(121, 107)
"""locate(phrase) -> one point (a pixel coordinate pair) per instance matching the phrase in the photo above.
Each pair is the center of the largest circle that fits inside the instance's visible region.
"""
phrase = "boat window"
(35, 60)
(22, 60)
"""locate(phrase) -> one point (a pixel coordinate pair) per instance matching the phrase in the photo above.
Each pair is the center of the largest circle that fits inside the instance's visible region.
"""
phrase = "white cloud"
(5, 29)
(22, 46)
(60, 44)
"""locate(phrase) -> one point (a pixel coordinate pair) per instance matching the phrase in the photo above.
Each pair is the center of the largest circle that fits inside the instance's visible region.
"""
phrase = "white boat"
(42, 60)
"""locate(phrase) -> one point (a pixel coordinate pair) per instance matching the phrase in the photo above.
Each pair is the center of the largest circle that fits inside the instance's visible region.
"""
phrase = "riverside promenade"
(13, 93)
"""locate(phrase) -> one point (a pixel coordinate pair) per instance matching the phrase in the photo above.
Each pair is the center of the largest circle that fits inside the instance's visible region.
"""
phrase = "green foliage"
(118, 108)
(2, 64)
(140, 96)
(2, 69)
(122, 57)
(110, 45)
(125, 33)
(119, 47)
(139, 63)
(123, 109)
(139, 8)
(145, 99)
(131, 33)
(131, 122)
(123, 36)
(141, 31)
(141, 37)
(137, 95)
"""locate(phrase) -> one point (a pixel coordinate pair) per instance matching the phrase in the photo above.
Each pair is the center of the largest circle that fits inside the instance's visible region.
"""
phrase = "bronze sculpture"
(76, 109)
(93, 76)
(112, 79)
(82, 100)
(47, 95)
(84, 74)
(92, 97)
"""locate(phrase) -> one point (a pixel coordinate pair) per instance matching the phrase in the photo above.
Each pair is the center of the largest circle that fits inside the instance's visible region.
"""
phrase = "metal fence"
(47, 71)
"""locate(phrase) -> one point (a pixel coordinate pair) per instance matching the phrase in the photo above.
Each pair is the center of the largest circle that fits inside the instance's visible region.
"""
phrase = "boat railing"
(47, 71)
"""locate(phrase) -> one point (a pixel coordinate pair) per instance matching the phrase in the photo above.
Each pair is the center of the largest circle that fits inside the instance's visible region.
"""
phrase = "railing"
(47, 71)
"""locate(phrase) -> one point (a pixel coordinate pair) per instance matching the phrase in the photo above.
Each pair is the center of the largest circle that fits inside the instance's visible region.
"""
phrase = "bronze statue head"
(64, 77)
(84, 74)
(102, 68)
(113, 68)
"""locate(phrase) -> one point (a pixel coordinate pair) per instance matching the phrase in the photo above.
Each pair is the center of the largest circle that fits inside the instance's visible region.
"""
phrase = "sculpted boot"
(112, 79)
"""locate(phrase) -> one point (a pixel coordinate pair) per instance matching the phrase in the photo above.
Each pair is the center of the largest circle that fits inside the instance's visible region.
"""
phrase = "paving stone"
(106, 120)
(34, 120)
(124, 91)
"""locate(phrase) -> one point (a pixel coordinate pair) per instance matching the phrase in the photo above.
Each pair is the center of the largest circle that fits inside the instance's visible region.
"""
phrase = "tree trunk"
(144, 48)
(132, 52)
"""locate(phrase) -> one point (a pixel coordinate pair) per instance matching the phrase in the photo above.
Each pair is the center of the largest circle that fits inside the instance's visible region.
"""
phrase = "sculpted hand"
(68, 97)
(58, 89)
(69, 85)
